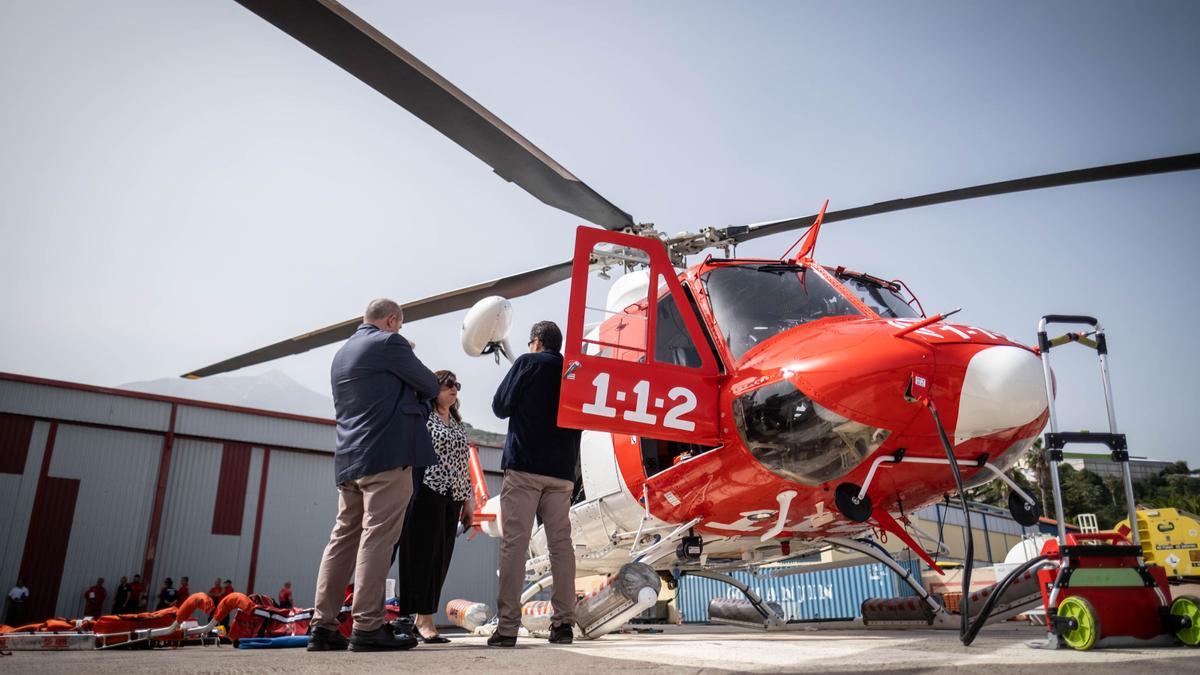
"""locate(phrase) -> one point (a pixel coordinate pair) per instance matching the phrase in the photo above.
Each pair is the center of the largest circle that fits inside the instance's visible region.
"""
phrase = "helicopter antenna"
(809, 239)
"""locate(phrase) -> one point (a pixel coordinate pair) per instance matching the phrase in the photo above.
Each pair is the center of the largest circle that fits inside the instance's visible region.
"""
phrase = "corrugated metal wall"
(823, 594)
(116, 473)
(490, 457)
(298, 515)
(16, 499)
(187, 545)
(50, 402)
(256, 429)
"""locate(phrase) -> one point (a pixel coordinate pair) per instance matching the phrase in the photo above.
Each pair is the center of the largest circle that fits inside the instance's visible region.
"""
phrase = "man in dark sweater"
(539, 475)
(381, 395)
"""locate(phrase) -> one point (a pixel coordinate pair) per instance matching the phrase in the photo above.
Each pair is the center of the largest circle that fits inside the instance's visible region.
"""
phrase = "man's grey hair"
(381, 308)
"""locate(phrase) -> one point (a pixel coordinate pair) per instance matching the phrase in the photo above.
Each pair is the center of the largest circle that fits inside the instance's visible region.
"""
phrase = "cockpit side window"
(882, 300)
(752, 303)
(672, 344)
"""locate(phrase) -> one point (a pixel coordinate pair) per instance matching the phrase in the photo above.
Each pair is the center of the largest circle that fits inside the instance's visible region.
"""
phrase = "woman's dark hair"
(444, 376)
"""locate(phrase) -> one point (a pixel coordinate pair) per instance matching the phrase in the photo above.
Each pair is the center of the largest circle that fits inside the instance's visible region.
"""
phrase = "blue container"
(824, 594)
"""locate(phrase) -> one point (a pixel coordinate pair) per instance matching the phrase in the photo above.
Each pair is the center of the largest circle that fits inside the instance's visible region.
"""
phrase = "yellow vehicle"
(1170, 538)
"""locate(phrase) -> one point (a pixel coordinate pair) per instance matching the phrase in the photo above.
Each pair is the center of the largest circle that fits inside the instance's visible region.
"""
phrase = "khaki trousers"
(369, 521)
(522, 496)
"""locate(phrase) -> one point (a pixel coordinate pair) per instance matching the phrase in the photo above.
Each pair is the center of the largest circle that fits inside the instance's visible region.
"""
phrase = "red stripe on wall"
(258, 516)
(15, 435)
(231, 489)
(48, 535)
(46, 544)
(160, 496)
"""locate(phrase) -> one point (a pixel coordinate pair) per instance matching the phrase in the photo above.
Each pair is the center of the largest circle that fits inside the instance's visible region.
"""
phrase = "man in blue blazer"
(381, 396)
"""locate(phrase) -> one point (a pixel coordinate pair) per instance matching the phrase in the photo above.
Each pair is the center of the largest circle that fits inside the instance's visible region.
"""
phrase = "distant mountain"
(481, 437)
(271, 390)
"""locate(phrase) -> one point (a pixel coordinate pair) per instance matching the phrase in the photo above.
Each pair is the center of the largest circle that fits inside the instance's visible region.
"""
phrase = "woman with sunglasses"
(443, 500)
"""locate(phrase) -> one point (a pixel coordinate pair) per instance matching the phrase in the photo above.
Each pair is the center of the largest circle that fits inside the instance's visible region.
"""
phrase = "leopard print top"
(451, 476)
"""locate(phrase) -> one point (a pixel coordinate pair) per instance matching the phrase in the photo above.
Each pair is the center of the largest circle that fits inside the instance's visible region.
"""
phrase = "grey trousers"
(522, 496)
(369, 521)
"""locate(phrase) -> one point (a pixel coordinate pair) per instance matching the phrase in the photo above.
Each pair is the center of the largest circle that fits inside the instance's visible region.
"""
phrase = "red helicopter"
(746, 410)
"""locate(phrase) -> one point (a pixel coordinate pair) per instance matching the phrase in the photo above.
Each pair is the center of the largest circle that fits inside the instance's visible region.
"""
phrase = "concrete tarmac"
(677, 649)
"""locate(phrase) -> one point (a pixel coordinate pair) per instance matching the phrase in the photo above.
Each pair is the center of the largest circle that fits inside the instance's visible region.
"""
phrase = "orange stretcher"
(173, 624)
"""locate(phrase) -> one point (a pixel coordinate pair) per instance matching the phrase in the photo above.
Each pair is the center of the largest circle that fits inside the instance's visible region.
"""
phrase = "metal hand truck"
(1102, 586)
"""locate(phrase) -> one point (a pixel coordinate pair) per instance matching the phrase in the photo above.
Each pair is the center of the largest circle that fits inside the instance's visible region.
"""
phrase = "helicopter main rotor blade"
(1098, 173)
(509, 287)
(339, 35)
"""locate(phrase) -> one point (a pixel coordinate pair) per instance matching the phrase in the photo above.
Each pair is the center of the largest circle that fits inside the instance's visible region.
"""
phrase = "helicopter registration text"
(684, 399)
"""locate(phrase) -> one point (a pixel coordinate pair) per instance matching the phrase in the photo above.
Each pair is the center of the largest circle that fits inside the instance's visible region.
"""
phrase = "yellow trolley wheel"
(1189, 606)
(1087, 623)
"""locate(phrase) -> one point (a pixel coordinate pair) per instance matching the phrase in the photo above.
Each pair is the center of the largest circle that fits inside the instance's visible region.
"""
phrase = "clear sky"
(181, 182)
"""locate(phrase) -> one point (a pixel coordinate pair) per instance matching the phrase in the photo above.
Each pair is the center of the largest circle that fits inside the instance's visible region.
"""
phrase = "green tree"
(1039, 463)
(1083, 492)
(995, 492)
(1086, 492)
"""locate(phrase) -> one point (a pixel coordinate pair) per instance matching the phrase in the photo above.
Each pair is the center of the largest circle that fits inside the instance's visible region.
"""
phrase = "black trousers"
(425, 549)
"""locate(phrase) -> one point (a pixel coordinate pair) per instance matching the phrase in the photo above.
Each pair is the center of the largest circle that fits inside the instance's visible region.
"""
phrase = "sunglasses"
(452, 385)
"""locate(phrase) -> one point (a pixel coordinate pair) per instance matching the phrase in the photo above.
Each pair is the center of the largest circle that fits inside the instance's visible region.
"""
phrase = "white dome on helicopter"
(488, 321)
(629, 288)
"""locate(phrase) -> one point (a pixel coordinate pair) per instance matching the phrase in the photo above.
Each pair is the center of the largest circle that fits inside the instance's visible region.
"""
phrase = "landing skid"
(766, 615)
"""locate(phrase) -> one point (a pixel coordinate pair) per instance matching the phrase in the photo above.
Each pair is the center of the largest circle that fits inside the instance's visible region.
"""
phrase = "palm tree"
(1038, 462)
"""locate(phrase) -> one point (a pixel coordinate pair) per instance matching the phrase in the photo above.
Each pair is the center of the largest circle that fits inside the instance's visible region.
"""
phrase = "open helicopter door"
(644, 366)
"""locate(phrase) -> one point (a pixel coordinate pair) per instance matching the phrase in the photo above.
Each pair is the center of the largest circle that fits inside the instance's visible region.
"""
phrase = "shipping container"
(806, 596)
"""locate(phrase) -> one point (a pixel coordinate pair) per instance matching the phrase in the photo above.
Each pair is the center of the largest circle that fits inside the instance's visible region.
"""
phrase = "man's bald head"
(384, 314)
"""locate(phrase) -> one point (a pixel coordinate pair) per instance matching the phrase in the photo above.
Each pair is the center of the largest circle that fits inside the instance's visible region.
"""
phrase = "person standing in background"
(93, 599)
(285, 596)
(381, 394)
(136, 588)
(215, 592)
(168, 596)
(18, 600)
(121, 596)
(539, 478)
(184, 590)
(227, 589)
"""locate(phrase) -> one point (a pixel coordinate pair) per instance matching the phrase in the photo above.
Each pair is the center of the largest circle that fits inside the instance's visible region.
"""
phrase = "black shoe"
(384, 638)
(435, 639)
(562, 634)
(404, 625)
(498, 640)
(325, 640)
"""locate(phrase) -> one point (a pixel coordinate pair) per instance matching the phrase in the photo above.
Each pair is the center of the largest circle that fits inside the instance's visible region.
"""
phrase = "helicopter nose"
(1003, 388)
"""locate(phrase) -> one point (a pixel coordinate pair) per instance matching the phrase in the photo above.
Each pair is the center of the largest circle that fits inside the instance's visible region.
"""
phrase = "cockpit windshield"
(754, 302)
(881, 299)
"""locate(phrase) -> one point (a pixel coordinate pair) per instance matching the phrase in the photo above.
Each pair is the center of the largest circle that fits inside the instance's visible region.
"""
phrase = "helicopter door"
(635, 362)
